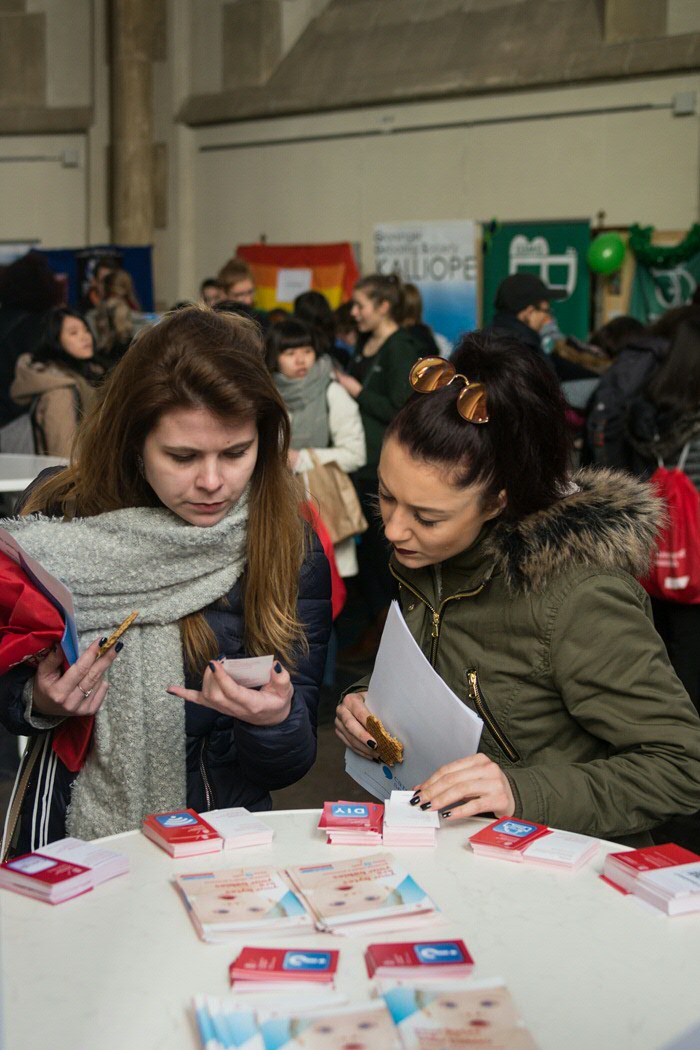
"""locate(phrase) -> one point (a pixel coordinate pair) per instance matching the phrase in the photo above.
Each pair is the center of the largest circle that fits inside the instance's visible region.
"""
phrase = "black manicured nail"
(221, 656)
(426, 805)
(372, 744)
(278, 668)
(415, 800)
(447, 813)
(118, 647)
(103, 640)
(212, 665)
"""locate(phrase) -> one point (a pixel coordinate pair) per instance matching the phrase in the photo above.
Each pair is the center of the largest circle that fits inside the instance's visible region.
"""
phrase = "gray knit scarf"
(306, 403)
(147, 559)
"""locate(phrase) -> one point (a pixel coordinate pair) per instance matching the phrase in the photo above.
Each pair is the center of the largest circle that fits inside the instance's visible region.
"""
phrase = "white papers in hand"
(416, 706)
(250, 671)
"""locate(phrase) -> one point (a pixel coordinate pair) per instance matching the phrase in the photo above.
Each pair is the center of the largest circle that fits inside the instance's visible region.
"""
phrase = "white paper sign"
(250, 671)
(291, 283)
(416, 706)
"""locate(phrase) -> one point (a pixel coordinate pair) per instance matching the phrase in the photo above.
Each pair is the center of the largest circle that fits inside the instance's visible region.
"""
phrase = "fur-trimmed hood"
(608, 521)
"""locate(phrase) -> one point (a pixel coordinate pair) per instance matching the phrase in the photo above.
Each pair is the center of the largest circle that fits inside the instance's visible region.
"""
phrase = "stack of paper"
(352, 823)
(239, 828)
(225, 1025)
(185, 833)
(279, 969)
(675, 891)
(668, 876)
(225, 903)
(419, 961)
(482, 1014)
(62, 870)
(362, 896)
(521, 841)
(364, 1026)
(182, 833)
(406, 825)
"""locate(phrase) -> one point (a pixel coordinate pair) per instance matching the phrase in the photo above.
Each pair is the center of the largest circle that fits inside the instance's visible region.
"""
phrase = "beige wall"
(638, 166)
(43, 199)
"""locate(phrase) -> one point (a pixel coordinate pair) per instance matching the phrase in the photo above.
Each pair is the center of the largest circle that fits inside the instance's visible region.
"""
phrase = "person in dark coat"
(178, 504)
(522, 305)
(28, 291)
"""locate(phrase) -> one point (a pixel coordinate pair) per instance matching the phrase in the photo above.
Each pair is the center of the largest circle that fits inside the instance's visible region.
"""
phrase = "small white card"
(250, 671)
(398, 812)
(292, 282)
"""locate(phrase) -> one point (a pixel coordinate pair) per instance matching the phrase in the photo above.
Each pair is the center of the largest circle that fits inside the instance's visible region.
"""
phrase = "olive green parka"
(543, 630)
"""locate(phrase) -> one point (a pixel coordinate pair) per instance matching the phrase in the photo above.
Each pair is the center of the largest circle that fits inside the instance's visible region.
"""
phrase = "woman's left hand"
(267, 706)
(466, 788)
(352, 385)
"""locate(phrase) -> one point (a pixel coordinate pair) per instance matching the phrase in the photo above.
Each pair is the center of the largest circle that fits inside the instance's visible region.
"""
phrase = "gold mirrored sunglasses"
(432, 373)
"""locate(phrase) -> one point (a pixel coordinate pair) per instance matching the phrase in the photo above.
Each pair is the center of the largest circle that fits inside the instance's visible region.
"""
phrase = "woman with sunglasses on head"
(517, 581)
(178, 503)
(378, 380)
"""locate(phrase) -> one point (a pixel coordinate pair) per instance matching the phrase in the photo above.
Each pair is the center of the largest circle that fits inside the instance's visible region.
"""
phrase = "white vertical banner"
(440, 258)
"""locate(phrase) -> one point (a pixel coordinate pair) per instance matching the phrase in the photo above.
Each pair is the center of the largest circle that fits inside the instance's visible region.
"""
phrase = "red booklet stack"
(62, 870)
(667, 877)
(523, 841)
(276, 969)
(182, 833)
(352, 823)
(419, 960)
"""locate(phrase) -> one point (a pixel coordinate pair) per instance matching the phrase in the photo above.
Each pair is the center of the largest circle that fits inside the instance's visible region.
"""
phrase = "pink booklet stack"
(523, 841)
(405, 825)
(352, 823)
(185, 833)
(283, 969)
(667, 877)
(419, 961)
(62, 870)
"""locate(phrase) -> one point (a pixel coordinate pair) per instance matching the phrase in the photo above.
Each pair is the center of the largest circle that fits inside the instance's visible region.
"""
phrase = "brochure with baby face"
(480, 1015)
(352, 891)
(363, 1027)
(224, 903)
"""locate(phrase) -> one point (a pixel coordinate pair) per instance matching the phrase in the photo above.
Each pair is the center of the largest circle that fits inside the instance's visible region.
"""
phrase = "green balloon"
(606, 253)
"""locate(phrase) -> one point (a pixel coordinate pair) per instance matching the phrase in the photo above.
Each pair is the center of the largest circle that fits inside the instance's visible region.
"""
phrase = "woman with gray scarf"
(326, 421)
(178, 502)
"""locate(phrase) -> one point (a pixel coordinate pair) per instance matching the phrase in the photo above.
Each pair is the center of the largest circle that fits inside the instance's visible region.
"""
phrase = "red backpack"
(674, 573)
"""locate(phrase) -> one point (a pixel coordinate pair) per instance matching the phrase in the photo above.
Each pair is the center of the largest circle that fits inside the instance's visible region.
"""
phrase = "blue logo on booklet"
(516, 828)
(349, 811)
(176, 820)
(441, 952)
(317, 961)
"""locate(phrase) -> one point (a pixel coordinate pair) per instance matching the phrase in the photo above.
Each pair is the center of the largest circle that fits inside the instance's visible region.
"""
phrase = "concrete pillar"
(132, 121)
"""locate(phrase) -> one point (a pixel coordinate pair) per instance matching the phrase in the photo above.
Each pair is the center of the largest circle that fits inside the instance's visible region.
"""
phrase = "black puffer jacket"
(654, 435)
(229, 762)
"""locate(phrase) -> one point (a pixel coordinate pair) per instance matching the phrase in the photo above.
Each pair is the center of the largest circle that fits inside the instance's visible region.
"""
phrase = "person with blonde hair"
(114, 317)
(178, 503)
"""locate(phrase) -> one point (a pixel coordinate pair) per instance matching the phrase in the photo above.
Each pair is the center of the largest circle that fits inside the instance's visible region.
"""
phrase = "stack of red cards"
(352, 823)
(521, 840)
(62, 870)
(419, 960)
(182, 833)
(280, 969)
(406, 825)
(668, 876)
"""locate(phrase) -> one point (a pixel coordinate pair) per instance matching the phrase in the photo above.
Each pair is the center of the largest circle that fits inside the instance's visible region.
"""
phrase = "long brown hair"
(197, 358)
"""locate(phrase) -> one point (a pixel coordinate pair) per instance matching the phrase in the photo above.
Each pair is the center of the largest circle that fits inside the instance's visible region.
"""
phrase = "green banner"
(556, 252)
(656, 289)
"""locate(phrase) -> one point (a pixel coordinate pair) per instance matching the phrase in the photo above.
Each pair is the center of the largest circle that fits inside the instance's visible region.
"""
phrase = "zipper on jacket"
(475, 694)
(436, 613)
(208, 793)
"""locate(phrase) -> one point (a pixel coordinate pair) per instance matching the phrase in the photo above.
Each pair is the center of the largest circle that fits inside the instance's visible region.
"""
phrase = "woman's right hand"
(78, 691)
(350, 717)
